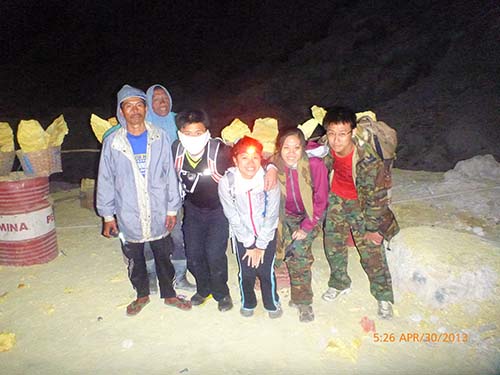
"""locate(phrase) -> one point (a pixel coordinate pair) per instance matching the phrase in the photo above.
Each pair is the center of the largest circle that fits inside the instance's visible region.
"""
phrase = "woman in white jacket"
(253, 218)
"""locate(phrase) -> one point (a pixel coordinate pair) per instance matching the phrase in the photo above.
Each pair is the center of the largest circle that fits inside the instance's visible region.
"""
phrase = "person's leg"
(134, 252)
(151, 269)
(300, 264)
(246, 278)
(336, 232)
(164, 268)
(216, 246)
(265, 273)
(195, 241)
(178, 258)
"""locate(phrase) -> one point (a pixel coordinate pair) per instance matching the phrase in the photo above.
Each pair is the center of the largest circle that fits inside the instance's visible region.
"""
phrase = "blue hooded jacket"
(167, 122)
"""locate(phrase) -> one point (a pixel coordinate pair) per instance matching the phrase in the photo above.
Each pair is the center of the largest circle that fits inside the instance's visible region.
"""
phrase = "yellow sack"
(265, 130)
(56, 131)
(6, 137)
(100, 126)
(234, 131)
(31, 136)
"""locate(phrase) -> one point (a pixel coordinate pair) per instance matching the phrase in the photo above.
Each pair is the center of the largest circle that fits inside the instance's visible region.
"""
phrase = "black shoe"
(197, 299)
(226, 303)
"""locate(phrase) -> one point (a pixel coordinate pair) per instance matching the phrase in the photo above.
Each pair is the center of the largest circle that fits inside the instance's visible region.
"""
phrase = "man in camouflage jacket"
(358, 203)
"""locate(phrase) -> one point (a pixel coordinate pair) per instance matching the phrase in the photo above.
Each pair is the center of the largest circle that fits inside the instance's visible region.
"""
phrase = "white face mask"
(194, 144)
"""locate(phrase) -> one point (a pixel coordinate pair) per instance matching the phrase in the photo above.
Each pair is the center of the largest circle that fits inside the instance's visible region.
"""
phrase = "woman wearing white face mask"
(200, 162)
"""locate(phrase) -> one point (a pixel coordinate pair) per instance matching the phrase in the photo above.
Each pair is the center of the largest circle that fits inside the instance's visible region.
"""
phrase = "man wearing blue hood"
(137, 185)
(160, 114)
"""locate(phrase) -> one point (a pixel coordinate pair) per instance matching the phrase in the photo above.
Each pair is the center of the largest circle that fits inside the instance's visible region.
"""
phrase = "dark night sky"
(63, 52)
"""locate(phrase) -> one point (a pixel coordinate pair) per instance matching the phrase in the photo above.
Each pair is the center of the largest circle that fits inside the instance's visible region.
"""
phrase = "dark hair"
(285, 133)
(244, 143)
(186, 118)
(339, 115)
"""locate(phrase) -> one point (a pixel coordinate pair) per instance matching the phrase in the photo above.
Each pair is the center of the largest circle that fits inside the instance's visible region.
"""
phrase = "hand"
(299, 234)
(270, 179)
(109, 229)
(374, 237)
(170, 222)
(255, 257)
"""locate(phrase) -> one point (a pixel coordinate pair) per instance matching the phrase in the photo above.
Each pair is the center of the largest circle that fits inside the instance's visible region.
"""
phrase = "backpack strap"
(213, 150)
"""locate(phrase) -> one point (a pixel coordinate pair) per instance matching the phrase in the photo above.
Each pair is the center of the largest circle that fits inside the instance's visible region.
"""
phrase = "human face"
(134, 111)
(248, 163)
(160, 102)
(194, 129)
(291, 150)
(339, 138)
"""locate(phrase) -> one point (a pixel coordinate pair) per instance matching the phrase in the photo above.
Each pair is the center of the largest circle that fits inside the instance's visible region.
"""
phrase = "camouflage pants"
(344, 216)
(300, 262)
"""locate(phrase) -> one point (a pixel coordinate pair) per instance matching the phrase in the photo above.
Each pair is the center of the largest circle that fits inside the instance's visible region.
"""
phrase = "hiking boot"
(198, 299)
(276, 313)
(153, 283)
(247, 313)
(225, 304)
(184, 284)
(385, 309)
(306, 313)
(331, 294)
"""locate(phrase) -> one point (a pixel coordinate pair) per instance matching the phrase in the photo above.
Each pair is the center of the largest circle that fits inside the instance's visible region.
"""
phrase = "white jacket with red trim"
(252, 213)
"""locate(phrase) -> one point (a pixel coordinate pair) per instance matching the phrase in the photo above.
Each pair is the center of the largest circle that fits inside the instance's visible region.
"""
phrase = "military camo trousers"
(299, 261)
(343, 217)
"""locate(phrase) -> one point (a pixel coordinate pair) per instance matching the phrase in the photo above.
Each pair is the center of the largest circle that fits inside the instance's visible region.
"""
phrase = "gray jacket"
(251, 212)
(139, 203)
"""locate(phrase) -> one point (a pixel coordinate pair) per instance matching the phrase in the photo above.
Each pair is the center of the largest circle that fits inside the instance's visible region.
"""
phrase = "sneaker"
(184, 284)
(247, 313)
(198, 299)
(385, 309)
(226, 303)
(276, 313)
(331, 294)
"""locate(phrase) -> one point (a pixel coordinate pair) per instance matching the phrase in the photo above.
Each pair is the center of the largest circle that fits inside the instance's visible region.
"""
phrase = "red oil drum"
(27, 226)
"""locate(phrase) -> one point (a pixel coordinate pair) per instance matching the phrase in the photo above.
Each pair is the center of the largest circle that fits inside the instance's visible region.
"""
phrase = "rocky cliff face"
(430, 70)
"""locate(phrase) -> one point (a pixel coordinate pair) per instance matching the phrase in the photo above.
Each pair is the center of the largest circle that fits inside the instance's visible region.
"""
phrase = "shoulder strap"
(213, 151)
(180, 152)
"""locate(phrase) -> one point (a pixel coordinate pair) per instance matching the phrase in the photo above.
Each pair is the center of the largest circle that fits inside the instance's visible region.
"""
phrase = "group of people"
(156, 163)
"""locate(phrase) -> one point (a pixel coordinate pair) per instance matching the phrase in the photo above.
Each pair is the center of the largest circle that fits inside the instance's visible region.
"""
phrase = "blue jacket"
(140, 203)
(167, 122)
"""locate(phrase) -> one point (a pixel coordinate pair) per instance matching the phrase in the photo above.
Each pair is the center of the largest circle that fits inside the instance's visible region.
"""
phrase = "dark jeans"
(265, 273)
(205, 237)
(137, 272)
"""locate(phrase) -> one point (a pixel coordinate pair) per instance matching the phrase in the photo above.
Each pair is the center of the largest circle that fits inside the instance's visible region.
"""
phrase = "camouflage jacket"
(367, 173)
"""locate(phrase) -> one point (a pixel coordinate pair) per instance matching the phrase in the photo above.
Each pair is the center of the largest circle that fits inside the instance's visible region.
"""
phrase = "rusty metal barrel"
(27, 225)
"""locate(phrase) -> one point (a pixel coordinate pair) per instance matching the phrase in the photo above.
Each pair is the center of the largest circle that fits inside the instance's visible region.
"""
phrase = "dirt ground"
(68, 317)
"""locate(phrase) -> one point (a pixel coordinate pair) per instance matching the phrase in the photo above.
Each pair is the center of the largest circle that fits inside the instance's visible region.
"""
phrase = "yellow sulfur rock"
(6, 137)
(31, 136)
(318, 113)
(7, 341)
(308, 127)
(56, 131)
(99, 126)
(370, 114)
(235, 130)
(266, 130)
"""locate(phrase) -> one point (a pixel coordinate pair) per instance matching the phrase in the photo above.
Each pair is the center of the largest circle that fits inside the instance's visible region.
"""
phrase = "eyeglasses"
(340, 135)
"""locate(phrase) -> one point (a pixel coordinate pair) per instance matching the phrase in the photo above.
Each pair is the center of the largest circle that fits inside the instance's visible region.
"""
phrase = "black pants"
(206, 232)
(137, 272)
(265, 273)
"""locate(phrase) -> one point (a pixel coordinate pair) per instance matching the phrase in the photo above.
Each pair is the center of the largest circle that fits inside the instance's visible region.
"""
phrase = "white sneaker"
(385, 309)
(331, 294)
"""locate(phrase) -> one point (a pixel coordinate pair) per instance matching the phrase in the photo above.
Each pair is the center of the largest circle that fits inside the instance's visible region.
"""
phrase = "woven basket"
(55, 159)
(6, 162)
(35, 163)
